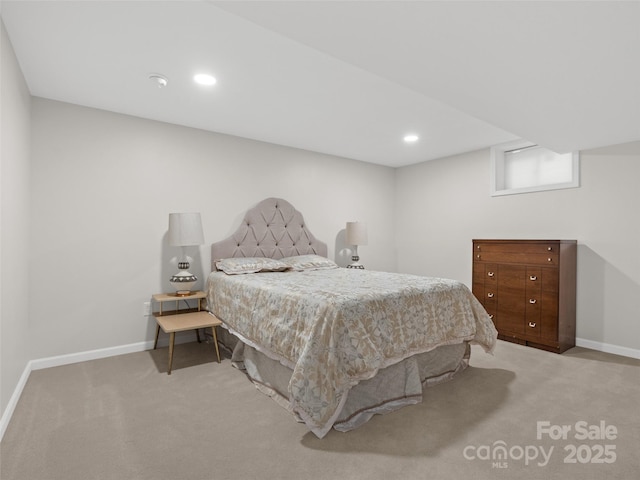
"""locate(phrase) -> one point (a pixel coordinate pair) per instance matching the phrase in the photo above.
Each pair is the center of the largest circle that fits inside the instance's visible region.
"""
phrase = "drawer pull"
(549, 259)
(532, 301)
(549, 249)
(490, 274)
(490, 295)
(533, 278)
(491, 316)
(532, 324)
(478, 256)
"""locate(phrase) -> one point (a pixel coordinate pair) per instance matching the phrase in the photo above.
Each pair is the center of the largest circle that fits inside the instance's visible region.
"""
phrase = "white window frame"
(497, 171)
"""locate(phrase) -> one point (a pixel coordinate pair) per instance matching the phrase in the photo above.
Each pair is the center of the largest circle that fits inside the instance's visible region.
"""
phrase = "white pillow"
(309, 262)
(240, 265)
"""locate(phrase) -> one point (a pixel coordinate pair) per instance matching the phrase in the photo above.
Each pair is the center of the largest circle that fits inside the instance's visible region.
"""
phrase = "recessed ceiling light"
(204, 79)
(411, 138)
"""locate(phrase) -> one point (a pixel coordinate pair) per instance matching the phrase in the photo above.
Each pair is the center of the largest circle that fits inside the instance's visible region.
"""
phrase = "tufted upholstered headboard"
(273, 229)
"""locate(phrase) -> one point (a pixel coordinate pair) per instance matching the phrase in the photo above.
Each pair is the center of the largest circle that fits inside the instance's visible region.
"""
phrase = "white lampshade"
(357, 233)
(185, 229)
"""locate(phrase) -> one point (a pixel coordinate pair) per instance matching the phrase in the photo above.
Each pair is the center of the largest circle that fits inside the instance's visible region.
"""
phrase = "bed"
(335, 346)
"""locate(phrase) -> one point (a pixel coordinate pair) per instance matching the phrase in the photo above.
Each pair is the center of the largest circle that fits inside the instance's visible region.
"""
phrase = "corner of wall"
(15, 131)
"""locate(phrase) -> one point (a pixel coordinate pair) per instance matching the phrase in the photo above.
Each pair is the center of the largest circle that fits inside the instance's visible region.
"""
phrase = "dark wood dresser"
(528, 287)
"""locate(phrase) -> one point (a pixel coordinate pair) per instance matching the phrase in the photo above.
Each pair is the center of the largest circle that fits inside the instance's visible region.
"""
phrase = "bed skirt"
(393, 387)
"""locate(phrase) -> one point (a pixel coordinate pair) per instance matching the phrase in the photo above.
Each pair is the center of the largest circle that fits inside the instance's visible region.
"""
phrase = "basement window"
(524, 167)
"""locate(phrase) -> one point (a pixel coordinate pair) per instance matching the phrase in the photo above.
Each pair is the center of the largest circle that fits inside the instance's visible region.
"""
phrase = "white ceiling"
(348, 78)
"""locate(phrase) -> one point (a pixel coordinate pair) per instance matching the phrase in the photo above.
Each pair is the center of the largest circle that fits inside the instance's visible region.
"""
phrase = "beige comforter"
(336, 327)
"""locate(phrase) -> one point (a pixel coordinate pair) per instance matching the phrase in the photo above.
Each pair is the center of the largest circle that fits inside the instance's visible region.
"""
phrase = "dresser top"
(500, 240)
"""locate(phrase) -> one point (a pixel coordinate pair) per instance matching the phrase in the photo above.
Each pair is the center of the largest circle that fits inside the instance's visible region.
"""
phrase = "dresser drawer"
(518, 258)
(537, 247)
(525, 253)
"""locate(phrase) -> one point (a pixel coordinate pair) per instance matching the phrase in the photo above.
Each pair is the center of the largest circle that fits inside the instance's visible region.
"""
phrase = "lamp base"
(183, 281)
(355, 263)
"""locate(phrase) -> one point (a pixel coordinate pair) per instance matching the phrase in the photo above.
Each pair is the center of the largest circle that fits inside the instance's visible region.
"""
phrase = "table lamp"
(356, 235)
(185, 230)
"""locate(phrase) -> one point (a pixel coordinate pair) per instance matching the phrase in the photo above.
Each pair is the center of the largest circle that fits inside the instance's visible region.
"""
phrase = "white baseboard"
(40, 363)
(106, 352)
(68, 359)
(13, 401)
(608, 348)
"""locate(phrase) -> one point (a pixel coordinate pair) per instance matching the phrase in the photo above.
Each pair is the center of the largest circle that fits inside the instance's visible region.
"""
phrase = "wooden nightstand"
(178, 320)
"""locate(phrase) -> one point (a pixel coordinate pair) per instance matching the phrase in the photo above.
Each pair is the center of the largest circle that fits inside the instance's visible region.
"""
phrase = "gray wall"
(443, 204)
(14, 221)
(103, 185)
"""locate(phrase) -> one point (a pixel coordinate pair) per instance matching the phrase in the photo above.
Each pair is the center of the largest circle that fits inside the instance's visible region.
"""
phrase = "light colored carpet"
(125, 418)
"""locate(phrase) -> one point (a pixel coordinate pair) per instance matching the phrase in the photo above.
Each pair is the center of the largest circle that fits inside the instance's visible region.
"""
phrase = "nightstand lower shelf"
(180, 321)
